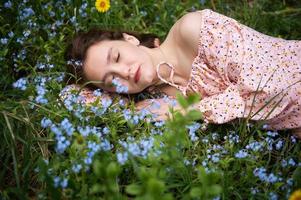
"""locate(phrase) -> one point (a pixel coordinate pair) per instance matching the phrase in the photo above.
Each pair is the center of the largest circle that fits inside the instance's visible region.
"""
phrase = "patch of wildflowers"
(255, 146)
(273, 196)
(8, 4)
(84, 131)
(263, 176)
(205, 140)
(26, 33)
(67, 126)
(143, 113)
(20, 84)
(216, 198)
(241, 154)
(155, 105)
(293, 139)
(214, 136)
(82, 10)
(4, 40)
(45, 122)
(127, 114)
(106, 103)
(76, 168)
(291, 162)
(97, 110)
(159, 123)
(105, 145)
(121, 102)
(25, 13)
(215, 157)
(41, 91)
(143, 13)
(61, 144)
(122, 157)
(106, 130)
(269, 143)
(60, 78)
(140, 148)
(119, 87)
(11, 34)
(254, 191)
(55, 129)
(232, 138)
(202, 2)
(192, 129)
(156, 132)
(279, 144)
(134, 118)
(97, 93)
(64, 183)
(170, 101)
(283, 163)
(41, 65)
(272, 133)
(56, 181)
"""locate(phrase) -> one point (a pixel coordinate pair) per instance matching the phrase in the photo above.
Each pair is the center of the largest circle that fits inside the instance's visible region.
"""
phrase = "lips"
(137, 75)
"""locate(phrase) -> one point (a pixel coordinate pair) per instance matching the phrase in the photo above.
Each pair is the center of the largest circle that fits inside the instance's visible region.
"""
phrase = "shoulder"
(190, 23)
(188, 28)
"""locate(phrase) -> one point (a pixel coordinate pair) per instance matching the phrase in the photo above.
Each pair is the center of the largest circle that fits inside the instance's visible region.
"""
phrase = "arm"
(88, 96)
(159, 107)
(223, 107)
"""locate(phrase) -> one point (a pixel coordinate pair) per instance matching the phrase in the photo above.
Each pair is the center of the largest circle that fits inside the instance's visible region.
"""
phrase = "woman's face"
(123, 60)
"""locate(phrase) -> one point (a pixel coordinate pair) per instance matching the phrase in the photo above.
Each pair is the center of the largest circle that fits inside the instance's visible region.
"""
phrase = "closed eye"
(118, 56)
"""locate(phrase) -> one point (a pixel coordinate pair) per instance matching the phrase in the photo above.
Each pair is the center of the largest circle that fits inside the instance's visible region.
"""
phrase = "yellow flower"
(102, 5)
(296, 195)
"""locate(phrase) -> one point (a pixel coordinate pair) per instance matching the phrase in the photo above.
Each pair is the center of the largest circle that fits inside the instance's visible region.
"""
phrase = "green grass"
(24, 144)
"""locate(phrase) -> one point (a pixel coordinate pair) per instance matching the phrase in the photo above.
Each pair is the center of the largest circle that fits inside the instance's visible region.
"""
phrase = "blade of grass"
(12, 148)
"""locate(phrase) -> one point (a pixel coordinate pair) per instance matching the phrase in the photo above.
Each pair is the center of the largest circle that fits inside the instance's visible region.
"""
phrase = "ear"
(130, 38)
(157, 42)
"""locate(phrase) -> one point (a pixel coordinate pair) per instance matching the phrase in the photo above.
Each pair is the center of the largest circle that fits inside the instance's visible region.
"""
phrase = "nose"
(123, 71)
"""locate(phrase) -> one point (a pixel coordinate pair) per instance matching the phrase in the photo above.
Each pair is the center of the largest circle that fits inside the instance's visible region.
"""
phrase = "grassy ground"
(106, 153)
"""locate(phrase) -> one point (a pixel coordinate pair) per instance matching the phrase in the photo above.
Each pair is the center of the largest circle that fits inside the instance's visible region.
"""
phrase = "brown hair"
(77, 48)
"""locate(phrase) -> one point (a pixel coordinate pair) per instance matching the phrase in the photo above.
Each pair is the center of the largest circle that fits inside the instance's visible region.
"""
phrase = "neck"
(163, 54)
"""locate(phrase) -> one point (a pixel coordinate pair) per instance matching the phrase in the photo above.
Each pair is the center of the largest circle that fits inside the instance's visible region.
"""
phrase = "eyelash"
(118, 56)
(117, 59)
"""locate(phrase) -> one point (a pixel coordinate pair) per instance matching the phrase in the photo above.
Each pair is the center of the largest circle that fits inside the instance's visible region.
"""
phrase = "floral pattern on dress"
(241, 73)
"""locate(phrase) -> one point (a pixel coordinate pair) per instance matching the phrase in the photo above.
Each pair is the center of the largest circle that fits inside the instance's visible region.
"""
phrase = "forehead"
(96, 55)
(95, 58)
(97, 50)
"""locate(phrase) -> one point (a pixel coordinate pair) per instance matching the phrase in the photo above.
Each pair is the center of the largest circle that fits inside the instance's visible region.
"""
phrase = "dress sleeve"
(223, 107)
(222, 45)
(221, 57)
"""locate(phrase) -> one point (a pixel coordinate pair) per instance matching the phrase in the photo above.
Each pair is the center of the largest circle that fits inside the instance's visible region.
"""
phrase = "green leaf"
(182, 101)
(195, 192)
(97, 188)
(215, 189)
(194, 115)
(155, 186)
(133, 189)
(112, 169)
(193, 98)
(297, 177)
(97, 168)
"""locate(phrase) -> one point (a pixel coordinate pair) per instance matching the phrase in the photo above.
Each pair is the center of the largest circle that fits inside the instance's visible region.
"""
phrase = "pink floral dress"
(242, 73)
